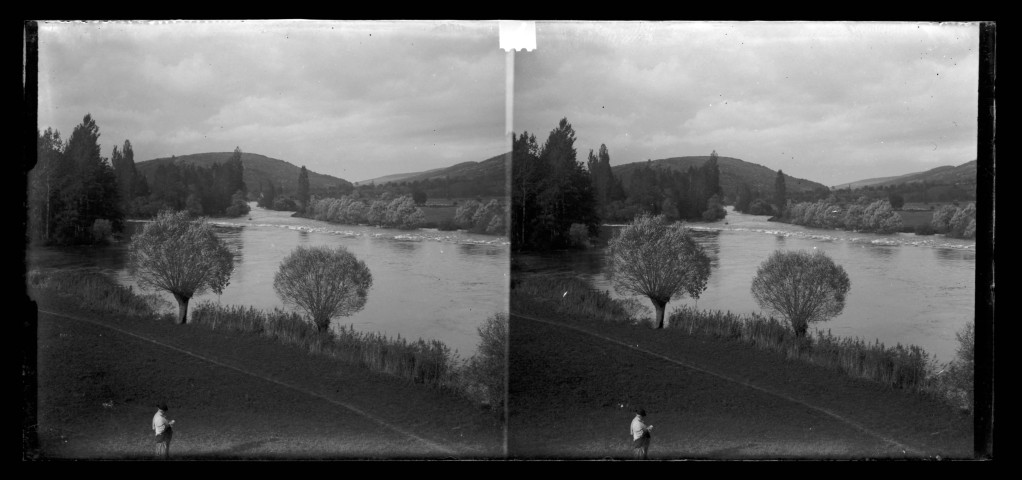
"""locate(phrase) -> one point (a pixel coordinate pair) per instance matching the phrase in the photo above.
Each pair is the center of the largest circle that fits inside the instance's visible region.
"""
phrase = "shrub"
(486, 371)
(578, 236)
(101, 230)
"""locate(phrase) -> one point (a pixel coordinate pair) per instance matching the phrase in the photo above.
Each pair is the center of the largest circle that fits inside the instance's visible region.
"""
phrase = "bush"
(447, 225)
(925, 229)
(578, 235)
(101, 230)
(486, 371)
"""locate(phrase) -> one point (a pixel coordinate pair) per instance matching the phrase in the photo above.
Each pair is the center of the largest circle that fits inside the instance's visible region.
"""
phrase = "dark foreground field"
(573, 387)
(233, 396)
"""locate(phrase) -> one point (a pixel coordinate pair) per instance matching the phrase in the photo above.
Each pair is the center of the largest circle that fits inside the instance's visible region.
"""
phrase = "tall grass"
(428, 362)
(95, 291)
(898, 366)
(903, 367)
(573, 296)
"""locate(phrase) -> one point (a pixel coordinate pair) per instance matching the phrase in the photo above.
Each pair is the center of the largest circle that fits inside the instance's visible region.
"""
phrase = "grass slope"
(222, 413)
(961, 174)
(257, 168)
(491, 170)
(571, 395)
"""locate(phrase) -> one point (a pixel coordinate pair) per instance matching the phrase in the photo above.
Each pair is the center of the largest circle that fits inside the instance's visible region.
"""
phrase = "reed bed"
(421, 361)
(95, 291)
(572, 296)
(898, 366)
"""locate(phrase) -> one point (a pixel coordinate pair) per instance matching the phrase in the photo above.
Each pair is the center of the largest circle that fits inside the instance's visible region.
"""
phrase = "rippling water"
(426, 283)
(906, 289)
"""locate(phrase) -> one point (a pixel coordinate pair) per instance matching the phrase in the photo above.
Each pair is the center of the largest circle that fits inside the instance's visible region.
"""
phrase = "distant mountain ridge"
(488, 171)
(257, 168)
(965, 173)
(733, 172)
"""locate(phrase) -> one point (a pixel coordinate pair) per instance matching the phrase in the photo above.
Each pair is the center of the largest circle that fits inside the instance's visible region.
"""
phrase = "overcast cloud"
(357, 100)
(830, 102)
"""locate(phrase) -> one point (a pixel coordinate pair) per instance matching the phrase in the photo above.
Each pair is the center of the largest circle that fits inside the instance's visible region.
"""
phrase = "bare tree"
(660, 260)
(180, 256)
(324, 282)
(802, 287)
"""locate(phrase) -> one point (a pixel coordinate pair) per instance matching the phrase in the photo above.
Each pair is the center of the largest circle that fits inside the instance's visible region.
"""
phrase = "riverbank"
(708, 398)
(234, 395)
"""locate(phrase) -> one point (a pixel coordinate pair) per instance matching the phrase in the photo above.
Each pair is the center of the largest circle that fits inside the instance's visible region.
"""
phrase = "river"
(426, 283)
(908, 289)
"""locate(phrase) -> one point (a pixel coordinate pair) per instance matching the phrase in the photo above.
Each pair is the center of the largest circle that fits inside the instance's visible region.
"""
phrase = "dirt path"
(233, 396)
(573, 388)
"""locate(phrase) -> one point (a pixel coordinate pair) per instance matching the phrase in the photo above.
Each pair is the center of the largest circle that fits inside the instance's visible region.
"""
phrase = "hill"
(257, 168)
(733, 172)
(946, 175)
(491, 170)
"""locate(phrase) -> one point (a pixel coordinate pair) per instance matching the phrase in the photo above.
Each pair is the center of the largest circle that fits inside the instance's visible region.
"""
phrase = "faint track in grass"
(429, 443)
(886, 439)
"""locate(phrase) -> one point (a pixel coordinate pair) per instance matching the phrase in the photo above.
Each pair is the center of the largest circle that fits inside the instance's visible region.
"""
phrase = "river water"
(426, 283)
(908, 289)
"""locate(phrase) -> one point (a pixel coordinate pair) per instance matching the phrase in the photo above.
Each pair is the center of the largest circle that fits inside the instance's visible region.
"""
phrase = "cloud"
(832, 102)
(353, 99)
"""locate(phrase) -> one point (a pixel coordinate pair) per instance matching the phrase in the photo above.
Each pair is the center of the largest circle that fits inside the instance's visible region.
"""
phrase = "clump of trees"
(400, 212)
(324, 282)
(72, 186)
(477, 217)
(217, 190)
(658, 259)
(954, 221)
(182, 256)
(693, 194)
(752, 202)
(550, 191)
(802, 287)
(876, 217)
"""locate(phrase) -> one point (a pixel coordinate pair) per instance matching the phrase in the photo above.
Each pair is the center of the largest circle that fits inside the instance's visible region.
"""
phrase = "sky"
(356, 100)
(831, 102)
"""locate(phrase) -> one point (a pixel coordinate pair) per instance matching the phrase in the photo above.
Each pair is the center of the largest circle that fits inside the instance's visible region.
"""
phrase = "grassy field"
(233, 395)
(915, 218)
(438, 215)
(574, 383)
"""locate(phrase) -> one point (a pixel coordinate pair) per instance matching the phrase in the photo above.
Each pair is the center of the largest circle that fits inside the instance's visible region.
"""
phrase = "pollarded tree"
(325, 282)
(658, 259)
(180, 256)
(802, 287)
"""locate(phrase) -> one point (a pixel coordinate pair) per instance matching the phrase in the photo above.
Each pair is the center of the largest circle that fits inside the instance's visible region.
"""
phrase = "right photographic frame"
(751, 240)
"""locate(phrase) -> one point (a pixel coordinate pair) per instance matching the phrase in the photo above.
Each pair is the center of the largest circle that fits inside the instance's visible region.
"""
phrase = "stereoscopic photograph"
(411, 240)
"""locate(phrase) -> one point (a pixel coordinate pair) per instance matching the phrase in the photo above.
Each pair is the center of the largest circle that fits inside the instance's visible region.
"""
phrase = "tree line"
(693, 194)
(75, 195)
(557, 201)
(397, 212)
(861, 216)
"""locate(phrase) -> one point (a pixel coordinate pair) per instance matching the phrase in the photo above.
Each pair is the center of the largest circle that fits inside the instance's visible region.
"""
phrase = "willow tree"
(802, 287)
(658, 259)
(325, 282)
(180, 256)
